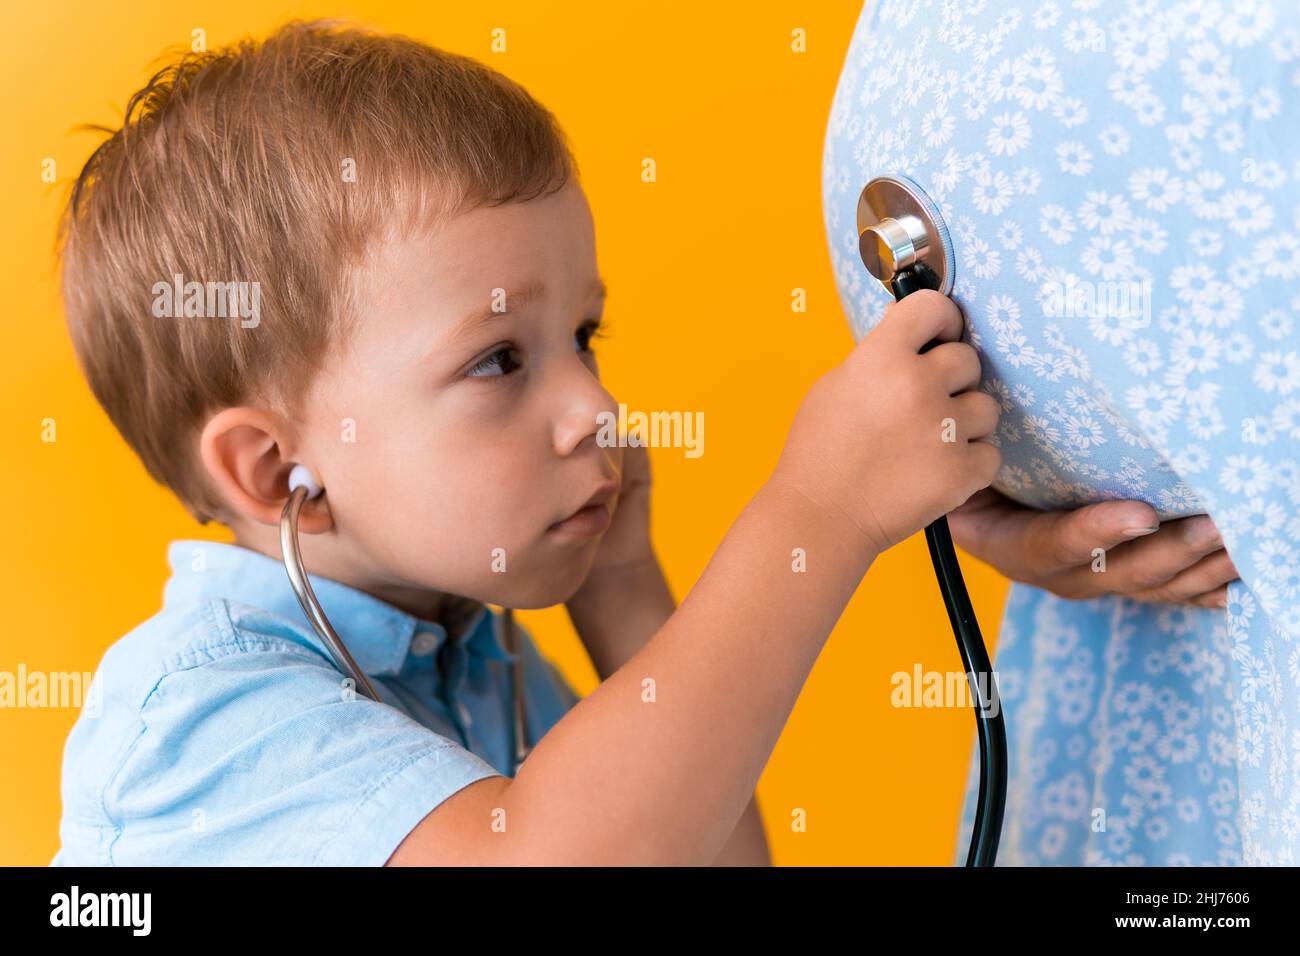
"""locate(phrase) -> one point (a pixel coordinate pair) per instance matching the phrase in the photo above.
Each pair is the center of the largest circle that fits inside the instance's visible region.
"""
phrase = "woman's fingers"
(1098, 549)
(1034, 547)
(1202, 583)
(1145, 565)
(1215, 600)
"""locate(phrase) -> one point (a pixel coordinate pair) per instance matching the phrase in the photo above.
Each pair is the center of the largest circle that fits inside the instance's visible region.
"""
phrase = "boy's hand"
(625, 598)
(891, 439)
(627, 542)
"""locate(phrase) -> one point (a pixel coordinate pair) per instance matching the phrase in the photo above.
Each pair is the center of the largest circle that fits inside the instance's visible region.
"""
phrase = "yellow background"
(700, 265)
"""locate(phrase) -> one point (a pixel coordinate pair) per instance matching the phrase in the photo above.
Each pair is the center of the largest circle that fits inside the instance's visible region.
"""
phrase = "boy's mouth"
(592, 518)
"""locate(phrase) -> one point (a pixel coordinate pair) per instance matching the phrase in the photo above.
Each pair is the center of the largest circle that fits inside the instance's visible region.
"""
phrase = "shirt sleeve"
(261, 757)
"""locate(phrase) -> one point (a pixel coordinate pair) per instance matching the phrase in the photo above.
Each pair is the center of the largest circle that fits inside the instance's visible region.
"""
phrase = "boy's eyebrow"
(514, 301)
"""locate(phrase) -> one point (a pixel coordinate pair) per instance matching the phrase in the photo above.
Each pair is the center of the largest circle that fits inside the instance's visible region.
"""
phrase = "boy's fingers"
(977, 416)
(957, 365)
(636, 467)
(922, 317)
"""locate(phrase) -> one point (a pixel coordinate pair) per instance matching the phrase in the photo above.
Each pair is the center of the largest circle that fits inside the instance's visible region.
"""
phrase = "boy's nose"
(591, 411)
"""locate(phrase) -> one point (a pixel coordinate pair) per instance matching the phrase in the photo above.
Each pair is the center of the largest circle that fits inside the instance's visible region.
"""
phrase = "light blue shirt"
(224, 735)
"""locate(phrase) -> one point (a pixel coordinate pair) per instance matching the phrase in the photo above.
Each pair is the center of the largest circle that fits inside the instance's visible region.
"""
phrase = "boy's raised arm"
(658, 764)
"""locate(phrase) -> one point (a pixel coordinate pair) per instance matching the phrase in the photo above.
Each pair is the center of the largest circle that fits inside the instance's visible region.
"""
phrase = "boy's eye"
(591, 329)
(502, 360)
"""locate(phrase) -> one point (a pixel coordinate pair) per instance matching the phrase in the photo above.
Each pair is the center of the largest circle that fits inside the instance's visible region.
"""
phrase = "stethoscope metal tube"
(905, 244)
(307, 597)
(302, 487)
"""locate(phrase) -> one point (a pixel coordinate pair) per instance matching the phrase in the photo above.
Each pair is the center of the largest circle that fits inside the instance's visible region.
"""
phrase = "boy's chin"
(554, 583)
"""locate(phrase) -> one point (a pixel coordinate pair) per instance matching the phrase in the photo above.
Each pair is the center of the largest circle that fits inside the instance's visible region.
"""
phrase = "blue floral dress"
(1122, 185)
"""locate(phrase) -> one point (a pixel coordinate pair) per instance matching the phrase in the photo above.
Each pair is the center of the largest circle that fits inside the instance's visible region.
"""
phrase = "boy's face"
(470, 436)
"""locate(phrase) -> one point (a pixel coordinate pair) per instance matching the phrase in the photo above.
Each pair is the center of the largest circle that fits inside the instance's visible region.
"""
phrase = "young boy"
(426, 291)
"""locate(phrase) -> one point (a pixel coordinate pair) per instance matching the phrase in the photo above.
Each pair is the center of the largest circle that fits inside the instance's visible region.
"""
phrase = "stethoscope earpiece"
(300, 476)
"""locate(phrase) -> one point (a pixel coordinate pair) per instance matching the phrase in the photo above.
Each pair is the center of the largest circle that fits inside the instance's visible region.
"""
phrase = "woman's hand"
(1180, 562)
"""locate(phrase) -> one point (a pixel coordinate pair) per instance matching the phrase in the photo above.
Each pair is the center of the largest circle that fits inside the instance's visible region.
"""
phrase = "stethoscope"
(904, 243)
(303, 487)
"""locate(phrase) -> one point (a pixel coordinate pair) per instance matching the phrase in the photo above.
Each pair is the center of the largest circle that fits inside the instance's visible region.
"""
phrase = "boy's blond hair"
(279, 164)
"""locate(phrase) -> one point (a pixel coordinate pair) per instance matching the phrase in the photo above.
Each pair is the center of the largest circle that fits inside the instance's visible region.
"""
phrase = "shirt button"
(423, 644)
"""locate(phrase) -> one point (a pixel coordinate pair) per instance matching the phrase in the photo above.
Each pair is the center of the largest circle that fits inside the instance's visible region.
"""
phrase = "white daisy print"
(1122, 189)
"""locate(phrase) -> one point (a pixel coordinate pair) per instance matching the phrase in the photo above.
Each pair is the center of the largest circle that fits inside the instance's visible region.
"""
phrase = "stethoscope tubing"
(988, 710)
(307, 597)
(989, 723)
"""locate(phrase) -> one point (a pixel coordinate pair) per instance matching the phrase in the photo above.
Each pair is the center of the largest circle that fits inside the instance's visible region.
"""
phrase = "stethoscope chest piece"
(900, 230)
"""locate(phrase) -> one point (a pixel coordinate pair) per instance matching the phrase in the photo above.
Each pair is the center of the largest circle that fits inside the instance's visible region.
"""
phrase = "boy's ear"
(243, 457)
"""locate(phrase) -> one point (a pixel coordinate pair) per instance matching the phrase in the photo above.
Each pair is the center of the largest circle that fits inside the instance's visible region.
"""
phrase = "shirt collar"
(377, 634)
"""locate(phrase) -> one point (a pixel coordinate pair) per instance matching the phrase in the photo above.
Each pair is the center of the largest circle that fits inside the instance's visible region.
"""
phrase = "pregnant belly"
(1120, 188)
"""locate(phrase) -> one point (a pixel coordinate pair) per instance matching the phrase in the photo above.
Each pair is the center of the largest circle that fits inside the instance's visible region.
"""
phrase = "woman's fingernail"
(1138, 532)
